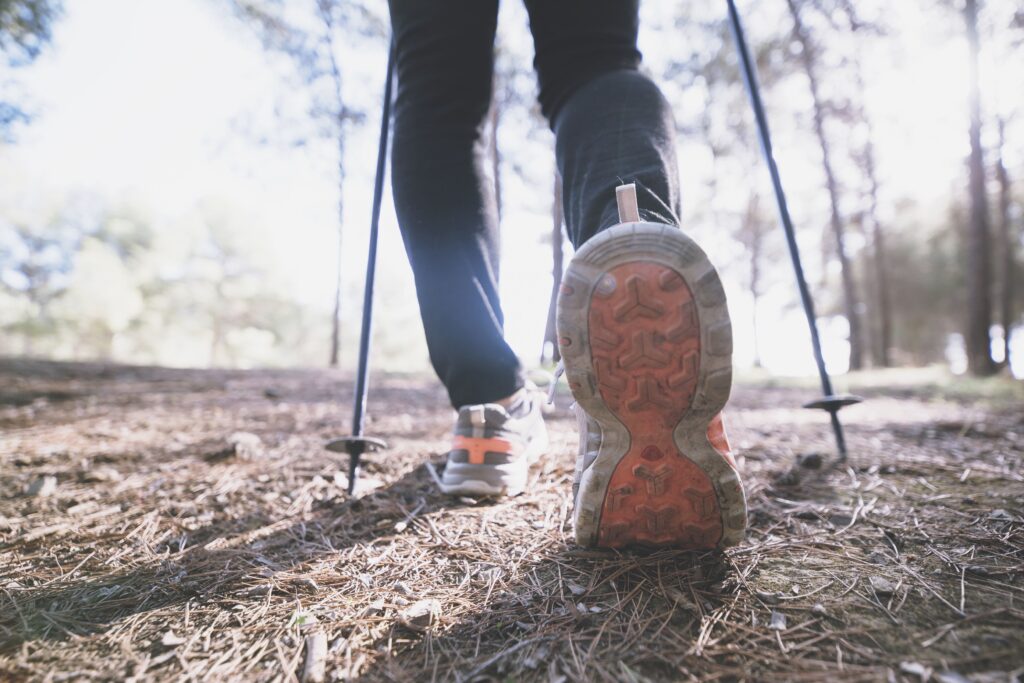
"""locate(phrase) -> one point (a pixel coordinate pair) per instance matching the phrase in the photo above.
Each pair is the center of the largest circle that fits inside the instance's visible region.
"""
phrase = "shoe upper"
(590, 444)
(488, 434)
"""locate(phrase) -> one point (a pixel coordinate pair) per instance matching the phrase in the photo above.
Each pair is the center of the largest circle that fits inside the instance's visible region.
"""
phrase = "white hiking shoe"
(493, 448)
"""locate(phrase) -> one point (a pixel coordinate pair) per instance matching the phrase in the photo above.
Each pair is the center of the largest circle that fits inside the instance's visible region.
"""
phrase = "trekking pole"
(357, 443)
(829, 402)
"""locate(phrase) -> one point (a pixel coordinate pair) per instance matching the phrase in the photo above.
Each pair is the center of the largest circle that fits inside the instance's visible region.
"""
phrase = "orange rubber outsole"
(645, 346)
(646, 340)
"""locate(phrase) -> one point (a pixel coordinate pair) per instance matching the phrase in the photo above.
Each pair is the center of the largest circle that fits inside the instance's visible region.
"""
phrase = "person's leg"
(612, 124)
(443, 196)
(642, 320)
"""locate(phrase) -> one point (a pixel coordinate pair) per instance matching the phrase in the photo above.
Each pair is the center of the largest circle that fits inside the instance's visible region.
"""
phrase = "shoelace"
(553, 385)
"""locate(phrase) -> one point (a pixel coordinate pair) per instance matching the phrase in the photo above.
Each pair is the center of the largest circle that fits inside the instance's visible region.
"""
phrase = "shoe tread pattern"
(645, 344)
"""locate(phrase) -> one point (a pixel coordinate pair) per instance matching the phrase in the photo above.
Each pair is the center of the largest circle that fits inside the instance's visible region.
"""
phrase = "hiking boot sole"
(645, 336)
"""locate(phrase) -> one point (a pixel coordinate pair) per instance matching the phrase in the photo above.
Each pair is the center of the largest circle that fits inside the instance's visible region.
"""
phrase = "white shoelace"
(553, 386)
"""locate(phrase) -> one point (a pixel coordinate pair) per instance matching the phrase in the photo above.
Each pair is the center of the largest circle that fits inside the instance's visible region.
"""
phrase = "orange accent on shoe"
(720, 440)
(645, 345)
(477, 447)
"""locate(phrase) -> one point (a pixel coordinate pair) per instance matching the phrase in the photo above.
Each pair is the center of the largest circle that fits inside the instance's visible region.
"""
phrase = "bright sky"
(157, 102)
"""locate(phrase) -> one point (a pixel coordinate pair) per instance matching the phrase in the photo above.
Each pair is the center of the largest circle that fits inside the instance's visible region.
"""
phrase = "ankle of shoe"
(517, 404)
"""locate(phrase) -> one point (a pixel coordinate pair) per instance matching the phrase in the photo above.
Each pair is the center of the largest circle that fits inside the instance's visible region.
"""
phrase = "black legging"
(612, 125)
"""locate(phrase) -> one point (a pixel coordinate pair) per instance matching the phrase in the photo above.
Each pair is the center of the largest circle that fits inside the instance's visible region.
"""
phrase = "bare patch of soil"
(162, 524)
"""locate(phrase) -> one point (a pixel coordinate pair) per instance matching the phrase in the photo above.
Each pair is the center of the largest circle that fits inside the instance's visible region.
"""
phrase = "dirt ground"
(162, 524)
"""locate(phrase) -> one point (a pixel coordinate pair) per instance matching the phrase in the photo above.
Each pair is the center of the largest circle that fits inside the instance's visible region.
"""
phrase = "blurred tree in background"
(107, 283)
(911, 278)
(24, 32)
(979, 243)
(311, 35)
(808, 51)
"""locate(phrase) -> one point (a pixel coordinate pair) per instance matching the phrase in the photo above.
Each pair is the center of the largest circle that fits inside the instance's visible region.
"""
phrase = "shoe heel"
(647, 342)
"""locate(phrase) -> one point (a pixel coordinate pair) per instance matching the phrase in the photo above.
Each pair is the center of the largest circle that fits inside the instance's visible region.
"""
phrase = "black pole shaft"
(753, 90)
(362, 375)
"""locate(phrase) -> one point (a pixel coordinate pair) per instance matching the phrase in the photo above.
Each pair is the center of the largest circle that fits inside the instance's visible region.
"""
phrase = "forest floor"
(161, 524)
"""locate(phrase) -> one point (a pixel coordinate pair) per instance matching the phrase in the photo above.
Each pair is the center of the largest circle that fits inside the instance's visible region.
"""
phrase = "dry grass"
(171, 550)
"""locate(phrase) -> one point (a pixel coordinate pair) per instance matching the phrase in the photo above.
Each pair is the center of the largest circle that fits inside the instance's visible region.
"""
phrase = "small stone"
(374, 608)
(421, 615)
(882, 586)
(914, 669)
(778, 622)
(309, 583)
(575, 588)
(810, 461)
(819, 610)
(43, 487)
(366, 484)
(247, 446)
(790, 477)
(840, 520)
(171, 639)
(878, 557)
(768, 598)
(950, 677)
(100, 475)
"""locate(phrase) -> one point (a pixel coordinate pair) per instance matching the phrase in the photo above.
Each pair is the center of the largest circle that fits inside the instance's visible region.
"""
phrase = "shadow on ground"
(164, 550)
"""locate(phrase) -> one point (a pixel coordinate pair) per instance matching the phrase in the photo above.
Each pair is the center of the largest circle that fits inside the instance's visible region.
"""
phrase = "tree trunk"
(851, 304)
(336, 314)
(550, 331)
(753, 227)
(341, 115)
(1008, 247)
(881, 295)
(979, 267)
(883, 300)
(217, 325)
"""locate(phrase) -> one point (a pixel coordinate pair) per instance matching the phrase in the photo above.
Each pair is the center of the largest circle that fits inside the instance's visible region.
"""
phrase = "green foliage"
(25, 27)
(127, 283)
(109, 285)
(926, 264)
(312, 36)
